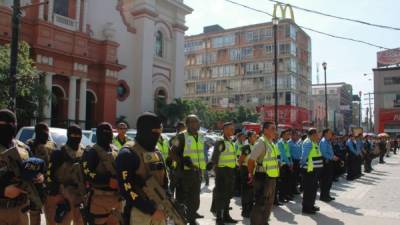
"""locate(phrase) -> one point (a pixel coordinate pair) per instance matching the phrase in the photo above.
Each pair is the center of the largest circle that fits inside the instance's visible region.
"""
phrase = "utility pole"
(369, 98)
(14, 54)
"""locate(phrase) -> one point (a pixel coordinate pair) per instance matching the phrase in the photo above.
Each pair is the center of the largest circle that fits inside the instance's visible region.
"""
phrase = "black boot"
(220, 218)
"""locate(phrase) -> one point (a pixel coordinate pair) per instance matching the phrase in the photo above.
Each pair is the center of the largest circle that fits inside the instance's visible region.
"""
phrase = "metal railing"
(65, 22)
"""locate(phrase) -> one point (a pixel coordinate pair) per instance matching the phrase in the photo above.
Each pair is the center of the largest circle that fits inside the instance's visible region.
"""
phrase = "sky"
(347, 61)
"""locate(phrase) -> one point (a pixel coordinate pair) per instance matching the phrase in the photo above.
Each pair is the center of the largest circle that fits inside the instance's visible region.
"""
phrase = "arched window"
(159, 44)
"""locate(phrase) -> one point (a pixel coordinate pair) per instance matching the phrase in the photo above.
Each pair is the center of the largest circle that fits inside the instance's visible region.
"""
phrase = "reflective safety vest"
(315, 159)
(287, 150)
(228, 156)
(163, 147)
(270, 161)
(118, 144)
(195, 150)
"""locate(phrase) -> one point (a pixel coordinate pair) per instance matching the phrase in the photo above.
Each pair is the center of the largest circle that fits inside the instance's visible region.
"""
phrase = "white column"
(82, 102)
(178, 79)
(50, 11)
(85, 15)
(78, 13)
(41, 10)
(47, 105)
(72, 98)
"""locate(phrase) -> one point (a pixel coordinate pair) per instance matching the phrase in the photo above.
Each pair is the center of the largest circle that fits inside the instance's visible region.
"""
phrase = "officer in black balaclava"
(8, 127)
(142, 154)
(74, 134)
(100, 171)
(104, 135)
(42, 148)
(12, 196)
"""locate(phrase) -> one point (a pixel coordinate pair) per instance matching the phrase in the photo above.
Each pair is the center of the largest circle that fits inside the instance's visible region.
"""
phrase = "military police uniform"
(265, 154)
(104, 201)
(224, 161)
(190, 153)
(44, 152)
(64, 185)
(12, 211)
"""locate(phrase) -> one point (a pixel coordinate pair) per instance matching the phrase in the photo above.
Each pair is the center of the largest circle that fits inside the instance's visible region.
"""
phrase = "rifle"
(14, 162)
(156, 193)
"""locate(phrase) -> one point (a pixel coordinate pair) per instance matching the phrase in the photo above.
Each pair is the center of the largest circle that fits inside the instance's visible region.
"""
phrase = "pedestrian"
(66, 188)
(295, 152)
(121, 137)
(263, 171)
(136, 162)
(188, 151)
(284, 181)
(100, 171)
(247, 194)
(329, 158)
(360, 150)
(312, 164)
(42, 147)
(223, 161)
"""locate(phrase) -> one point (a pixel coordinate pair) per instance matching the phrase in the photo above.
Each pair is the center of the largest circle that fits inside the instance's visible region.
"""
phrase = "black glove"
(187, 161)
(209, 166)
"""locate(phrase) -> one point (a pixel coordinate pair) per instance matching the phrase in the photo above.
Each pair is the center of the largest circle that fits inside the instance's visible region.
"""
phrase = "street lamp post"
(275, 22)
(324, 64)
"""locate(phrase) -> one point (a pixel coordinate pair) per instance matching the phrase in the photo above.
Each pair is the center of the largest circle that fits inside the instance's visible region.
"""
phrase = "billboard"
(388, 57)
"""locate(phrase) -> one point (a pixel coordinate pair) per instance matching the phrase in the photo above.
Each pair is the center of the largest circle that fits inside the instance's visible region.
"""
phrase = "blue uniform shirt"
(295, 149)
(326, 149)
(306, 148)
(284, 158)
(359, 146)
(351, 146)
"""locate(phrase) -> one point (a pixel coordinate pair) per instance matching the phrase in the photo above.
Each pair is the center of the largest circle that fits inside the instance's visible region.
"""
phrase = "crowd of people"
(106, 183)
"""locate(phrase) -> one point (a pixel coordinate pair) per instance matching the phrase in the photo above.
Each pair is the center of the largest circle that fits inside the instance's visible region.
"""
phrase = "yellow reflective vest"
(228, 156)
(195, 150)
(270, 161)
(163, 147)
(315, 159)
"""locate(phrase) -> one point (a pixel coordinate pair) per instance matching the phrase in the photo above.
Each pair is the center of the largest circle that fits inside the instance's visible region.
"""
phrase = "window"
(284, 49)
(223, 41)
(235, 54)
(199, 59)
(194, 46)
(391, 80)
(268, 49)
(61, 7)
(159, 44)
(247, 52)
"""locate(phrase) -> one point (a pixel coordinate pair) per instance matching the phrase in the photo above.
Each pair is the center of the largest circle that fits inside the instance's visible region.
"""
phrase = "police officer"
(171, 161)
(352, 159)
(295, 153)
(121, 137)
(66, 190)
(163, 146)
(240, 141)
(327, 174)
(41, 147)
(286, 168)
(188, 150)
(99, 167)
(246, 189)
(14, 204)
(224, 162)
(136, 162)
(312, 164)
(263, 171)
(368, 156)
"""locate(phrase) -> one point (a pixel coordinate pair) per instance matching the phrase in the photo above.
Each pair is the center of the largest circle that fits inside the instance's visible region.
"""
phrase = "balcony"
(65, 22)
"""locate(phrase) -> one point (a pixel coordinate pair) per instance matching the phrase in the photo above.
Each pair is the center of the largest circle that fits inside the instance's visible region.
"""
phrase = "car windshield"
(26, 134)
(58, 138)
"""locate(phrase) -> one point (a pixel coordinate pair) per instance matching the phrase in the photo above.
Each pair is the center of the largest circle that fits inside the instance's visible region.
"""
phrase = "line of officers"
(112, 193)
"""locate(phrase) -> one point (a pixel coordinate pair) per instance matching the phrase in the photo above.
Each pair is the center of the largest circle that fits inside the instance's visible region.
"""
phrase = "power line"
(311, 29)
(338, 17)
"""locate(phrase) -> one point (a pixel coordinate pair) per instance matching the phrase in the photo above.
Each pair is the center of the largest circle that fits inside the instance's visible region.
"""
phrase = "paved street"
(373, 199)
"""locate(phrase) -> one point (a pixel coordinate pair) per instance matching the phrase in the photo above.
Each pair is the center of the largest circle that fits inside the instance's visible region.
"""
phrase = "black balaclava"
(7, 131)
(145, 137)
(41, 133)
(104, 135)
(74, 142)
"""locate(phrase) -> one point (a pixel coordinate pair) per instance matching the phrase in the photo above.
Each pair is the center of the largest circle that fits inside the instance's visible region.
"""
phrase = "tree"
(31, 91)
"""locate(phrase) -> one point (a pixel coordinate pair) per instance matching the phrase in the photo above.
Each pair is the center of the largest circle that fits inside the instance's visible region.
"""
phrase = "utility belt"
(6, 203)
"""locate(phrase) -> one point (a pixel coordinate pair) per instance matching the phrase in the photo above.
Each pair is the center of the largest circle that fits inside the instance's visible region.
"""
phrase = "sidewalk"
(372, 199)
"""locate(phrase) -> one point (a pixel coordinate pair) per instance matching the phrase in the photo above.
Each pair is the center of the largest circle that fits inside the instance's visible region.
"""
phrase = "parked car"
(58, 135)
